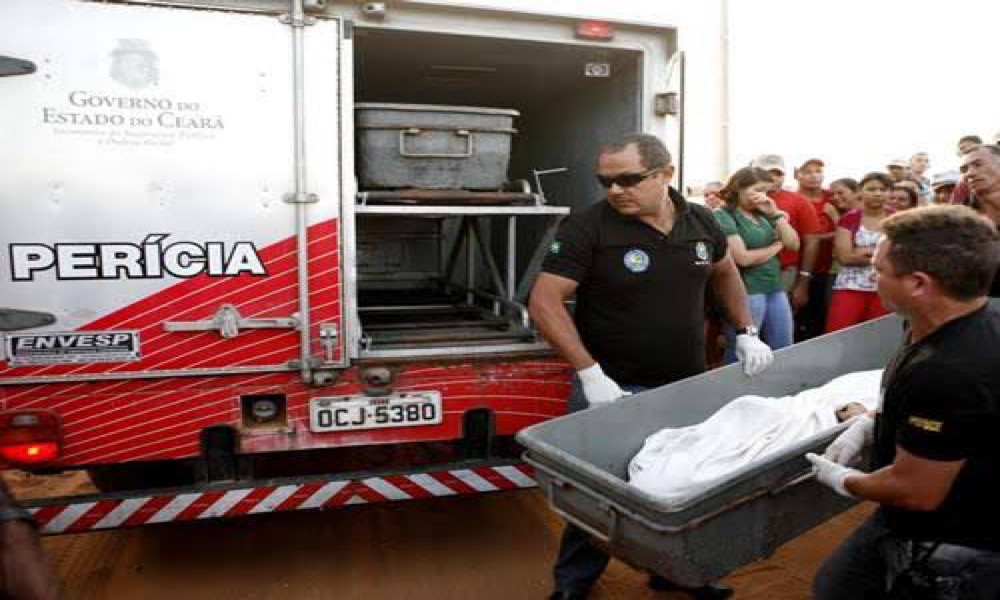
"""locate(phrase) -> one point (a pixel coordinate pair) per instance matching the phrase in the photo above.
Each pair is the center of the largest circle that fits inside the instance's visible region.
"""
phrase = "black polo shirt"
(995, 289)
(942, 402)
(641, 300)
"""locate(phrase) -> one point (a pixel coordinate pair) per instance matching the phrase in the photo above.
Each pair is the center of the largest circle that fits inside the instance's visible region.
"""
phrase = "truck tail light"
(601, 31)
(30, 437)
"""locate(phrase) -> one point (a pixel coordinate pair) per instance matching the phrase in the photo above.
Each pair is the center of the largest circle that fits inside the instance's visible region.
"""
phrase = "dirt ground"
(489, 546)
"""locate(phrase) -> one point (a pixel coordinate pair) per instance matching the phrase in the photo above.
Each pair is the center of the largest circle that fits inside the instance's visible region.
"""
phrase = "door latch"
(228, 322)
(328, 338)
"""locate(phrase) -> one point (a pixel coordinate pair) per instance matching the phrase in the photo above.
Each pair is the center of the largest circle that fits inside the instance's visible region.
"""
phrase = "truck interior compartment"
(563, 113)
(415, 291)
(414, 285)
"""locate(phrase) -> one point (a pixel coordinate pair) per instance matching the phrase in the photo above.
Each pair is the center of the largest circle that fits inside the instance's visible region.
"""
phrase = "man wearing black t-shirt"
(639, 265)
(936, 471)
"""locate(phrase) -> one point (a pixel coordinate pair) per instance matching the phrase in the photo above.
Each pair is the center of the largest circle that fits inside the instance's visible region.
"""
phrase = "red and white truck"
(212, 307)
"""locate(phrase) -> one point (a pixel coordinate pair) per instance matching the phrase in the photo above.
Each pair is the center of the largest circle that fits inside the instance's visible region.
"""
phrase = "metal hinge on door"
(10, 66)
(228, 322)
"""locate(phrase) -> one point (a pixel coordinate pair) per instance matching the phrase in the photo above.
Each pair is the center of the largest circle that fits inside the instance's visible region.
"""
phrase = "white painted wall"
(856, 82)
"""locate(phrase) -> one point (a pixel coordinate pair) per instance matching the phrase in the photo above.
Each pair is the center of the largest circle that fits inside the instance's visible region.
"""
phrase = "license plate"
(348, 413)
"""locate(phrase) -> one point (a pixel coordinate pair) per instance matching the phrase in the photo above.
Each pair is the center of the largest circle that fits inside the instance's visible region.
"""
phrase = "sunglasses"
(626, 180)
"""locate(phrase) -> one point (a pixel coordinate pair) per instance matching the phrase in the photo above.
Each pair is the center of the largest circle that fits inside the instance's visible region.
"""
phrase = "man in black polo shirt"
(936, 460)
(639, 265)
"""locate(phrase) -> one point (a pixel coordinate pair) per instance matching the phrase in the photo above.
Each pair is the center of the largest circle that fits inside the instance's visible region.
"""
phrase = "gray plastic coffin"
(581, 463)
(433, 147)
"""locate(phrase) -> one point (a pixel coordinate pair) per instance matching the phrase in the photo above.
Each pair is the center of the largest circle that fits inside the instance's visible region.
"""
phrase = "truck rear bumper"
(97, 512)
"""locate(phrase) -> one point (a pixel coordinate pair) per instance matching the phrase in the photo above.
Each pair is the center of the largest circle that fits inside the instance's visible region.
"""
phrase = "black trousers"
(865, 565)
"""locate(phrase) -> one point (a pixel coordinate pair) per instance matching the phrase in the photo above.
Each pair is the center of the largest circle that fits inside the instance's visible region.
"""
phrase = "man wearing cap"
(796, 267)
(943, 185)
(897, 169)
(811, 318)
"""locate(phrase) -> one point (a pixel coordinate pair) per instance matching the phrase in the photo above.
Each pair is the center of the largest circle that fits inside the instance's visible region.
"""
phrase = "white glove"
(598, 387)
(831, 474)
(846, 449)
(755, 355)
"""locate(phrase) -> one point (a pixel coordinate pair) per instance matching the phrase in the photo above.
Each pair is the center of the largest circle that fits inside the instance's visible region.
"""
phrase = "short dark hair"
(993, 149)
(652, 151)
(910, 193)
(975, 139)
(883, 178)
(848, 183)
(956, 246)
(741, 180)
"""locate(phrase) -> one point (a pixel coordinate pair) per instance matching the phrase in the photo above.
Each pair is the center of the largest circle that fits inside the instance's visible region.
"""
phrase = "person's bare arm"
(910, 482)
(730, 292)
(24, 568)
(787, 234)
(548, 310)
(846, 253)
(751, 258)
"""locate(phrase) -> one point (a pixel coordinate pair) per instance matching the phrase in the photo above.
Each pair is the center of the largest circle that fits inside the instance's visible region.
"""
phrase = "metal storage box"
(433, 147)
(582, 459)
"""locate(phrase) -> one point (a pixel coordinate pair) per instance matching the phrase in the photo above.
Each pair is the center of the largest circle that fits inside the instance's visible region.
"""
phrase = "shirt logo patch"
(636, 260)
(925, 424)
(554, 247)
(701, 252)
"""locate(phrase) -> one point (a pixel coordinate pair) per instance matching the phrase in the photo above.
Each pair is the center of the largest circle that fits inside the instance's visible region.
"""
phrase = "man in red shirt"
(811, 318)
(796, 267)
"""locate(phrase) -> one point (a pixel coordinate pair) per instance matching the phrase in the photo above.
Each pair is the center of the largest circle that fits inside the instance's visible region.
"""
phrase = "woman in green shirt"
(756, 232)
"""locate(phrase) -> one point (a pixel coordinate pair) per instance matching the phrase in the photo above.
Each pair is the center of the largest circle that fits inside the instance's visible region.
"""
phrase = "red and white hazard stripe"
(91, 513)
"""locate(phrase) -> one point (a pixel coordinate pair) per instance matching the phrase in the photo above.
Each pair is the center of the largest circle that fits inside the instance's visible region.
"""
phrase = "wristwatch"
(805, 274)
(748, 330)
(16, 513)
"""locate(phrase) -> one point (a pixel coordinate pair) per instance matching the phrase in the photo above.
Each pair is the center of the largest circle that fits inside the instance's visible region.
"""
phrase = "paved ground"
(485, 547)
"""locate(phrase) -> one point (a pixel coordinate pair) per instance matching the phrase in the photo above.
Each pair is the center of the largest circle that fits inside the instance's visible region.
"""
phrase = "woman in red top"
(854, 298)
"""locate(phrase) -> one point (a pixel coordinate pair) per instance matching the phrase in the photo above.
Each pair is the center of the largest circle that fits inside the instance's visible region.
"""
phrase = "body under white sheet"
(676, 464)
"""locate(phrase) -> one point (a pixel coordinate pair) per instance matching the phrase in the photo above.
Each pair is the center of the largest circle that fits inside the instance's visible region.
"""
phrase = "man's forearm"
(884, 487)
(731, 294)
(557, 326)
(810, 250)
(26, 570)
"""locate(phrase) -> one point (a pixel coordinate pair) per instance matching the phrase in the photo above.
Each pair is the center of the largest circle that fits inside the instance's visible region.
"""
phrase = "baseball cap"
(898, 162)
(944, 178)
(769, 162)
(812, 161)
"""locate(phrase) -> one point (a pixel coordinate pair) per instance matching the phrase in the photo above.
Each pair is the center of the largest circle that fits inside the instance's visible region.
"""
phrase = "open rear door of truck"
(165, 175)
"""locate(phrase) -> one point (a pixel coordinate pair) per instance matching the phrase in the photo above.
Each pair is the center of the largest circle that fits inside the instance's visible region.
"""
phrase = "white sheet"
(677, 464)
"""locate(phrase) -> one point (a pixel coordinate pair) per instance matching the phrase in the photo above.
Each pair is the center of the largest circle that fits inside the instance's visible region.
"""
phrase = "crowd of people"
(805, 254)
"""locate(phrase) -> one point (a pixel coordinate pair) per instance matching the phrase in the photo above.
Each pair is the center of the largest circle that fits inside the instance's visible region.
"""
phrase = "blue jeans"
(772, 314)
(580, 563)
